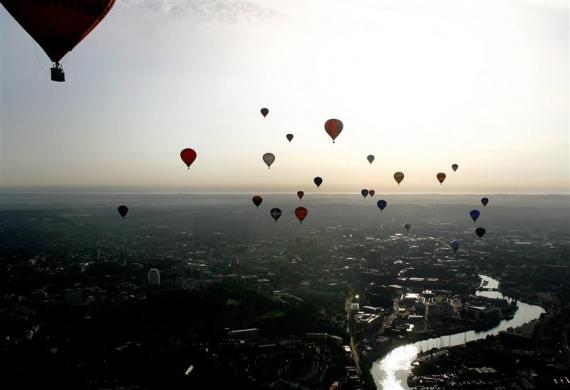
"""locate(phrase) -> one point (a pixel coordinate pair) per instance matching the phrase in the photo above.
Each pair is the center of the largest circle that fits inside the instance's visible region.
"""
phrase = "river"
(391, 372)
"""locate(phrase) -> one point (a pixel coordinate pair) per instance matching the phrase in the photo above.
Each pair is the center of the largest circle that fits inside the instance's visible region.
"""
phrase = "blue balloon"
(455, 245)
(382, 204)
(474, 214)
(484, 201)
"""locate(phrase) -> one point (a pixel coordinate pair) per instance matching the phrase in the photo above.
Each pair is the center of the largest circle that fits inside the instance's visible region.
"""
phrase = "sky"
(419, 84)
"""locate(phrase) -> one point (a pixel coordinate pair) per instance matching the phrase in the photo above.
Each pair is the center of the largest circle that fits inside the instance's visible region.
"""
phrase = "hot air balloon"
(371, 193)
(370, 158)
(123, 210)
(474, 214)
(300, 194)
(454, 167)
(188, 156)
(257, 200)
(268, 158)
(455, 245)
(398, 176)
(58, 26)
(264, 111)
(440, 177)
(301, 213)
(318, 181)
(275, 213)
(289, 137)
(480, 232)
(407, 226)
(484, 201)
(364, 192)
(333, 128)
(382, 204)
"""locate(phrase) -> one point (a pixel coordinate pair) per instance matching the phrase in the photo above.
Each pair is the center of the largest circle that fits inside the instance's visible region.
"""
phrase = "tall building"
(154, 277)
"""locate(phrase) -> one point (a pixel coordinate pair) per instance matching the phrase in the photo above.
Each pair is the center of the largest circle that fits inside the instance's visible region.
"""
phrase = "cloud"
(229, 11)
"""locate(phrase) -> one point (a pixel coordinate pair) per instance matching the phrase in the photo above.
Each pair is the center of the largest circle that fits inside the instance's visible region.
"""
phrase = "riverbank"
(391, 370)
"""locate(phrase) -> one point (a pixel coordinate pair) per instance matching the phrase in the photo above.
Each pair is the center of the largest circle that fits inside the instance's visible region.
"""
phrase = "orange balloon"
(398, 176)
(440, 177)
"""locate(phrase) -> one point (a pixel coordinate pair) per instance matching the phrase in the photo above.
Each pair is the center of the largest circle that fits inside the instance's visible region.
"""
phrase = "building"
(154, 277)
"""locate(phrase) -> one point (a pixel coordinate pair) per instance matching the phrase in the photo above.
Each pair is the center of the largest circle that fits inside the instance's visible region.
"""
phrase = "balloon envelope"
(333, 127)
(440, 177)
(301, 213)
(58, 26)
(370, 158)
(318, 181)
(275, 213)
(123, 210)
(364, 192)
(257, 200)
(268, 158)
(398, 176)
(371, 193)
(407, 226)
(381, 204)
(300, 194)
(454, 167)
(480, 232)
(264, 111)
(188, 156)
(484, 201)
(474, 214)
(455, 245)
(289, 137)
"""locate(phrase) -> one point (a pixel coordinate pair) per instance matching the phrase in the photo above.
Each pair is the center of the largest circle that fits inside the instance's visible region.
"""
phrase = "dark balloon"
(264, 111)
(300, 194)
(333, 127)
(484, 201)
(268, 158)
(407, 226)
(440, 177)
(454, 167)
(289, 137)
(364, 193)
(370, 158)
(257, 200)
(58, 26)
(398, 176)
(275, 213)
(301, 213)
(382, 204)
(480, 232)
(123, 210)
(371, 193)
(474, 214)
(318, 181)
(455, 245)
(188, 156)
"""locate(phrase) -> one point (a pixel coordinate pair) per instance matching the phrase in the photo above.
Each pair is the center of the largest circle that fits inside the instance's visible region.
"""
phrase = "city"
(118, 304)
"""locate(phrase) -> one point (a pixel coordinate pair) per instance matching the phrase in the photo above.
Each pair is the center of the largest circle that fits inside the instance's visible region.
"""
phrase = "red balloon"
(333, 128)
(301, 213)
(300, 194)
(371, 193)
(58, 26)
(188, 156)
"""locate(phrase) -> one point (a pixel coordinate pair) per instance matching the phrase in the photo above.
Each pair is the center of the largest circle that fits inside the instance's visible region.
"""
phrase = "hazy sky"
(419, 84)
